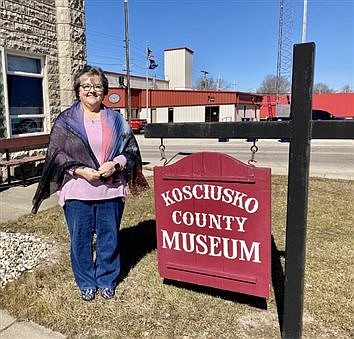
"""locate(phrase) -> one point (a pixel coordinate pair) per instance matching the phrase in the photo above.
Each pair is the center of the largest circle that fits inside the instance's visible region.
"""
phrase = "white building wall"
(162, 114)
(227, 113)
(197, 113)
(188, 78)
(191, 114)
(144, 114)
(180, 114)
(178, 66)
(247, 111)
(136, 82)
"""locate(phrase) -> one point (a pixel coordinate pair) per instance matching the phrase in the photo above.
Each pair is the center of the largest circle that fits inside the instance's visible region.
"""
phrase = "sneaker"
(107, 293)
(88, 294)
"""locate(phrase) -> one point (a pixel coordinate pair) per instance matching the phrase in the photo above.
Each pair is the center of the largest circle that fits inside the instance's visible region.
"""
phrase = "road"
(329, 158)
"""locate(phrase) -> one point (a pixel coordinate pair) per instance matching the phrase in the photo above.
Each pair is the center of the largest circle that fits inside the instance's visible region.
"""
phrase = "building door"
(212, 113)
(170, 114)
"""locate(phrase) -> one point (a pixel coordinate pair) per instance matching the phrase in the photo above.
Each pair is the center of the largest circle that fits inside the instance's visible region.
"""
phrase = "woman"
(92, 156)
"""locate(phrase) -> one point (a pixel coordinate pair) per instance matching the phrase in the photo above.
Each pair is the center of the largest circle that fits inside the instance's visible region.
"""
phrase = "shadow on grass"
(253, 301)
(135, 243)
(278, 281)
(138, 241)
(250, 300)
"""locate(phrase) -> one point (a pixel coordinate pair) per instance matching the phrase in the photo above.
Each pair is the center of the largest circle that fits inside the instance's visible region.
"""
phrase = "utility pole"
(127, 60)
(204, 79)
(304, 23)
(147, 81)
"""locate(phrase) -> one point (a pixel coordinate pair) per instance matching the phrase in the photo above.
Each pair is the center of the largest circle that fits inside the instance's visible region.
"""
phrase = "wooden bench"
(18, 144)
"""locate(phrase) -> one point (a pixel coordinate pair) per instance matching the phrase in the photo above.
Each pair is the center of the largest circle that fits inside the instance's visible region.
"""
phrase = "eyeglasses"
(88, 87)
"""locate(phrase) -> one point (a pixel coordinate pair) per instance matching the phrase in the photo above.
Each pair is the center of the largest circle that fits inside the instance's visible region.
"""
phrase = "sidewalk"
(10, 328)
(15, 202)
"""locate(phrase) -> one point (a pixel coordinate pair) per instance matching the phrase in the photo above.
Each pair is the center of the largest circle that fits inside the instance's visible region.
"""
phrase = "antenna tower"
(285, 43)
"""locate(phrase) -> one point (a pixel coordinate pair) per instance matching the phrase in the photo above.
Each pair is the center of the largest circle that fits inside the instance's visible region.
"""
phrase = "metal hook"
(162, 152)
(254, 149)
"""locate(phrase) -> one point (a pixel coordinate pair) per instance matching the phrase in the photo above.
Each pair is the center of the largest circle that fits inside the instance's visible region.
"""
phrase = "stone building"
(42, 44)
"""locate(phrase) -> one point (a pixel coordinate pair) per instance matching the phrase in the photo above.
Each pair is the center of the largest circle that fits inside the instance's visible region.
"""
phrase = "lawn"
(146, 306)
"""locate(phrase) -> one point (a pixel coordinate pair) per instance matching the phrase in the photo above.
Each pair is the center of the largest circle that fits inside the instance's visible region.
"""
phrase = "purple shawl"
(69, 148)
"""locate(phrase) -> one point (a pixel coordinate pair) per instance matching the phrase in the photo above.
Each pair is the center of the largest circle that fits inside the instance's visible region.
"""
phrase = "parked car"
(317, 114)
(138, 125)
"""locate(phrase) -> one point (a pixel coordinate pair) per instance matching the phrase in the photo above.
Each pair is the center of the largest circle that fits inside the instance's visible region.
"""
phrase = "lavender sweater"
(79, 188)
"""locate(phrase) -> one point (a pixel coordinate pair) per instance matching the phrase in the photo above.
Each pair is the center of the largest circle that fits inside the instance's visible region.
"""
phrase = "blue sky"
(236, 40)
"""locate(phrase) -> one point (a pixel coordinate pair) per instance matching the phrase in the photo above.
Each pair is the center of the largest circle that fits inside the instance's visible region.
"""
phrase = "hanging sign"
(213, 223)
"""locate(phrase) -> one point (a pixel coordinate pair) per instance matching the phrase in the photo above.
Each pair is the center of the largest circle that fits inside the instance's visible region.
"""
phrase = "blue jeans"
(84, 219)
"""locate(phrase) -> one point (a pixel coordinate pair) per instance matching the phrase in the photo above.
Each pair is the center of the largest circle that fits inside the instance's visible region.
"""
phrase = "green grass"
(147, 307)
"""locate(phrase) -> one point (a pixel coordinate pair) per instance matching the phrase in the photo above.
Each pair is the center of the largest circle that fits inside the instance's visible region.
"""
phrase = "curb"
(11, 328)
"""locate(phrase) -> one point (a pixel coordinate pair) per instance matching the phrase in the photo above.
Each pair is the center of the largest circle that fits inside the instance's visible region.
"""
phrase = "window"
(24, 84)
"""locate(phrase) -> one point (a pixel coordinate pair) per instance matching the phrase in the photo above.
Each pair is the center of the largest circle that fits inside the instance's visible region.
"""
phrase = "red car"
(138, 125)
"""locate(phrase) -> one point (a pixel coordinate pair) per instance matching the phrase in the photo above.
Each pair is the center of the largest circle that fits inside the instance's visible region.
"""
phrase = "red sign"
(213, 223)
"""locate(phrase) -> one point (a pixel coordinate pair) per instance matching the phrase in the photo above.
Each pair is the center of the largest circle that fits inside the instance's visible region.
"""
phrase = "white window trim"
(25, 74)
(34, 75)
(6, 102)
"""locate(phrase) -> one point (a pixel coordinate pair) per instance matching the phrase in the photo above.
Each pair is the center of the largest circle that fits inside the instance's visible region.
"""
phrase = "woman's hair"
(88, 70)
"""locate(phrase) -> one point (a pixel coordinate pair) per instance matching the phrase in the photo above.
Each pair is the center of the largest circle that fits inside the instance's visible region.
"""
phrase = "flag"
(153, 64)
(149, 53)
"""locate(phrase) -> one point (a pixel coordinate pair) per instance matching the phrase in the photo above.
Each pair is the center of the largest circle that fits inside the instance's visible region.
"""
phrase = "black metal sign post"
(298, 179)
(300, 129)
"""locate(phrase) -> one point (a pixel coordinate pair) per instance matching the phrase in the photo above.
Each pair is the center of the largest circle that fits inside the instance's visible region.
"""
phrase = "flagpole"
(150, 64)
(147, 82)
(304, 23)
(127, 59)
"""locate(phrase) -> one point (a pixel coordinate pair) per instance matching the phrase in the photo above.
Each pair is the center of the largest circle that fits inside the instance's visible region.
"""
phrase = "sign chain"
(162, 148)
(254, 149)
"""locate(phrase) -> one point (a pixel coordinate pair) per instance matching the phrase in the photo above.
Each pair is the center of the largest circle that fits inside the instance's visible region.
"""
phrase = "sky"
(234, 40)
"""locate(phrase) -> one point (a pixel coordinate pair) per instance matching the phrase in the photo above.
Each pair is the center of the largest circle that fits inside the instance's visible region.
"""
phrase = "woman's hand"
(107, 169)
(87, 173)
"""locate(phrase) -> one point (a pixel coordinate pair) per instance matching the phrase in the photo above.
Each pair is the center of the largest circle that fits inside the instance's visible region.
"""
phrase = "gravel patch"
(20, 253)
